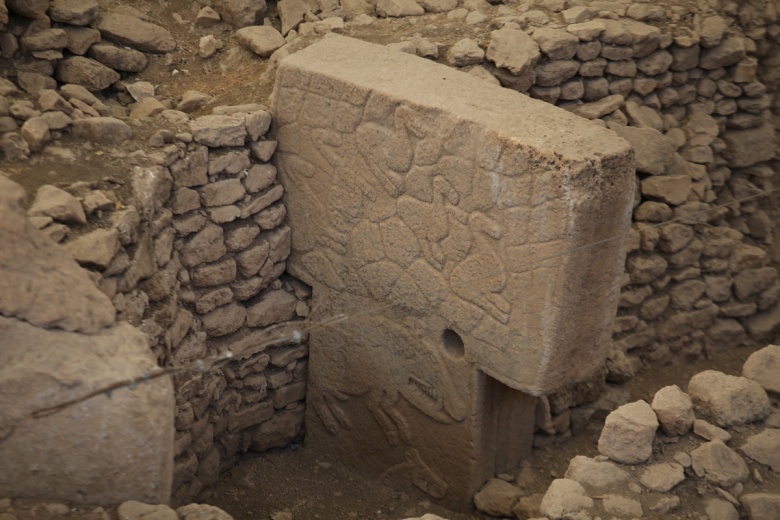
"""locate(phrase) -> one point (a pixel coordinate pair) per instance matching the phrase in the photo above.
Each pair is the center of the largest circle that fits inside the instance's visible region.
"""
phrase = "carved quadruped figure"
(366, 366)
(481, 277)
(414, 469)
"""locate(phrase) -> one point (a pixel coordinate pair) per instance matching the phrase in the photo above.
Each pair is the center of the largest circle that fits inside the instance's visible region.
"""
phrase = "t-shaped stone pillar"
(453, 223)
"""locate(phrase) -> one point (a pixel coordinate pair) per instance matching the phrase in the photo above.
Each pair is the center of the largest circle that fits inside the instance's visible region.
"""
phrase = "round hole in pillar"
(453, 343)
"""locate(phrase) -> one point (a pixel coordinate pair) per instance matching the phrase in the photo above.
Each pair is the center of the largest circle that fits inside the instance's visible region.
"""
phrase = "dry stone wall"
(192, 252)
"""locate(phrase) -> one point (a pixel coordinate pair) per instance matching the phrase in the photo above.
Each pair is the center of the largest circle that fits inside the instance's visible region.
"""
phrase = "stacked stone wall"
(195, 258)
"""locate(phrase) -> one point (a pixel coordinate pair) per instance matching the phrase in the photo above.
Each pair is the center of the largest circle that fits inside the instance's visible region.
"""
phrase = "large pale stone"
(764, 447)
(628, 433)
(563, 498)
(76, 452)
(719, 464)
(763, 366)
(39, 281)
(513, 49)
(436, 198)
(135, 33)
(728, 399)
(596, 476)
(674, 410)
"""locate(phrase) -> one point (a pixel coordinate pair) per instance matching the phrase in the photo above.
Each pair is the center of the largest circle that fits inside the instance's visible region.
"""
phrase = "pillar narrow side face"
(436, 212)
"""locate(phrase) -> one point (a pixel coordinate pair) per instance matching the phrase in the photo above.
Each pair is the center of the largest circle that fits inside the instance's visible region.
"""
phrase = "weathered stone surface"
(645, 268)
(662, 477)
(40, 283)
(291, 13)
(221, 193)
(105, 130)
(95, 249)
(564, 497)
(672, 189)
(556, 44)
(206, 246)
(224, 320)
(219, 130)
(74, 12)
(596, 476)
(600, 108)
(438, 6)
(497, 497)
(135, 33)
(763, 366)
(747, 147)
(728, 399)
(217, 273)
(86, 72)
(654, 151)
(717, 509)
(628, 433)
(764, 448)
(555, 72)
(273, 307)
(728, 52)
(239, 13)
(394, 134)
(47, 39)
(81, 38)
(134, 510)
(132, 430)
(127, 60)
(709, 431)
(513, 49)
(719, 464)
(28, 8)
(263, 40)
(399, 8)
(58, 204)
(622, 506)
(465, 52)
(761, 506)
(674, 410)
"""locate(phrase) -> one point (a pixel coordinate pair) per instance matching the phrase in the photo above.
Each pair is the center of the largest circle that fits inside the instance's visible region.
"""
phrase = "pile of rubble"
(720, 441)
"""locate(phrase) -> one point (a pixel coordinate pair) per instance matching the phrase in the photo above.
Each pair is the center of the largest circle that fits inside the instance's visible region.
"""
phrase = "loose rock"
(763, 366)
(719, 464)
(564, 497)
(628, 433)
(728, 399)
(674, 410)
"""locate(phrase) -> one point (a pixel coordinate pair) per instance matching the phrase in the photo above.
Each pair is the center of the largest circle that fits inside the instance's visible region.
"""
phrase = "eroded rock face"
(39, 281)
(417, 199)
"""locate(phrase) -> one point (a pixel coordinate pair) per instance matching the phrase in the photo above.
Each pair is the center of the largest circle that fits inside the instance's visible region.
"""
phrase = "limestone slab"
(103, 450)
(449, 205)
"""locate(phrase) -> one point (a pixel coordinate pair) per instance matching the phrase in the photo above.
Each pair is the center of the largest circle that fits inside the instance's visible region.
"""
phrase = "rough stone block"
(449, 203)
(133, 430)
(40, 282)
